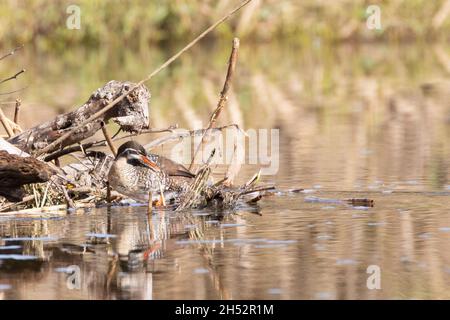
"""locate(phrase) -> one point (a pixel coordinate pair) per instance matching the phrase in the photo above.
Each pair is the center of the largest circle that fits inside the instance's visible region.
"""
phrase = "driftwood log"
(16, 171)
(130, 113)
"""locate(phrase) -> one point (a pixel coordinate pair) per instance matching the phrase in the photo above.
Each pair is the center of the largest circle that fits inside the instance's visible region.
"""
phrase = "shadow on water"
(355, 122)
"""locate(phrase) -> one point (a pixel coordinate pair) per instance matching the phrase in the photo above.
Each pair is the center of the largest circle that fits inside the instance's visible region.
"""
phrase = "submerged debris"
(360, 202)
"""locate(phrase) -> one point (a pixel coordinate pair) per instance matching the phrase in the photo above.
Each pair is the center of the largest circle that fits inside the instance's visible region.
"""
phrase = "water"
(366, 122)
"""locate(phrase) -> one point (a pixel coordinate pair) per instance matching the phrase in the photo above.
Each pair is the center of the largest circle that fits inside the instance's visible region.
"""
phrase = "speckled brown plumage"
(132, 175)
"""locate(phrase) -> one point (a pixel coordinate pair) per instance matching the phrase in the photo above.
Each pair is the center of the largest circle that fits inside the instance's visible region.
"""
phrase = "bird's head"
(135, 154)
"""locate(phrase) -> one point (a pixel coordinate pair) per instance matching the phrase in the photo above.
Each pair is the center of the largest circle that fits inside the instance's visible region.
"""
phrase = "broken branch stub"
(130, 113)
(16, 171)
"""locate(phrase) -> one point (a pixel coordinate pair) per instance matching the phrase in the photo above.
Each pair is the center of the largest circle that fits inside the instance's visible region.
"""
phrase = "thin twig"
(75, 148)
(176, 135)
(12, 52)
(169, 129)
(223, 97)
(108, 140)
(98, 114)
(116, 134)
(13, 77)
(69, 201)
(100, 143)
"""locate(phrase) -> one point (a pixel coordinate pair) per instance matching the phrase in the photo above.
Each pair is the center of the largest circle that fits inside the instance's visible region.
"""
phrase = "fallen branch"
(131, 114)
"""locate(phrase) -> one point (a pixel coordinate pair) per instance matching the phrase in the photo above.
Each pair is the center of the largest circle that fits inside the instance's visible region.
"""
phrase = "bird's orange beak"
(150, 163)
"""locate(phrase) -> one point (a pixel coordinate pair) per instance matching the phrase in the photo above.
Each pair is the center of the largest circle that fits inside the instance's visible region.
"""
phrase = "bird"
(136, 173)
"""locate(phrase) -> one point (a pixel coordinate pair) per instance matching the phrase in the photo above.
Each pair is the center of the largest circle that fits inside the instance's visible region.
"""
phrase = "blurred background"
(139, 23)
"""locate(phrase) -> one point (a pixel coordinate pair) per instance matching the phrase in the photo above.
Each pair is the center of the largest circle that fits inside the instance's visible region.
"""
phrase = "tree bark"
(16, 171)
(130, 113)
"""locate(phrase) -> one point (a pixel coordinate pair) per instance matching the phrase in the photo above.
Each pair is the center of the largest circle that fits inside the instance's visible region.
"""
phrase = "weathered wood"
(16, 171)
(130, 113)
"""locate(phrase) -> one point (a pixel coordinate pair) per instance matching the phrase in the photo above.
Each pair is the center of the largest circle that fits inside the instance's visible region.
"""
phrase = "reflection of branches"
(207, 254)
(112, 272)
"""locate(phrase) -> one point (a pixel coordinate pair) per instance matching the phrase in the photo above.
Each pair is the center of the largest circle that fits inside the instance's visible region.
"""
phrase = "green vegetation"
(143, 22)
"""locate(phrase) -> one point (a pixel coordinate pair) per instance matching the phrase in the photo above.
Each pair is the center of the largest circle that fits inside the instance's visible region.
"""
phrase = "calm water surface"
(369, 122)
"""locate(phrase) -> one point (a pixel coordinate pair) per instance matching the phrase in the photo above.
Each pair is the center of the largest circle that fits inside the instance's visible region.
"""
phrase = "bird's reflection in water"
(118, 252)
(141, 250)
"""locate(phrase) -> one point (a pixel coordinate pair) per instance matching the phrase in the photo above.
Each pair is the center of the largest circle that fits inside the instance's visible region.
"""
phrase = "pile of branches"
(31, 175)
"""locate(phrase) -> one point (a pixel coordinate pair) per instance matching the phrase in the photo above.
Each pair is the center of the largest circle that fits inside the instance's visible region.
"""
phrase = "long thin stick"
(16, 116)
(108, 140)
(16, 111)
(223, 97)
(95, 116)
(100, 143)
(69, 201)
